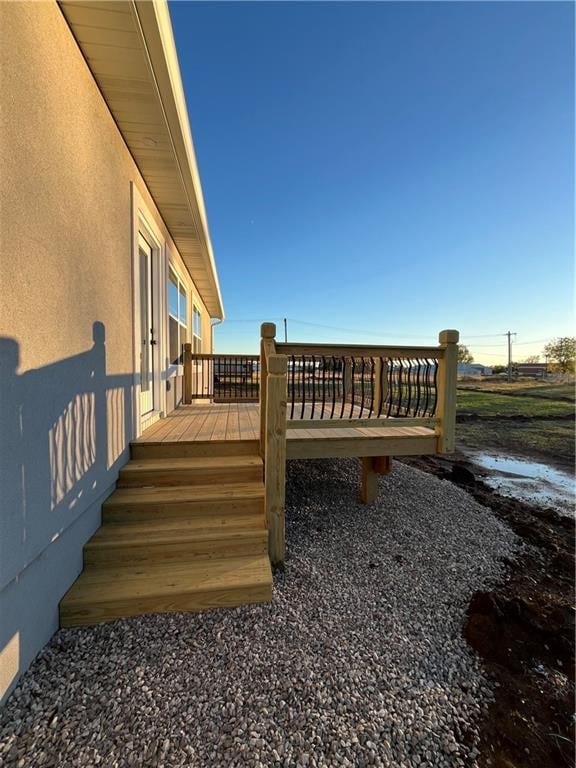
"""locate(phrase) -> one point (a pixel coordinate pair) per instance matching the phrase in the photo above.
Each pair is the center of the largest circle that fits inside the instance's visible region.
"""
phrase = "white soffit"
(130, 49)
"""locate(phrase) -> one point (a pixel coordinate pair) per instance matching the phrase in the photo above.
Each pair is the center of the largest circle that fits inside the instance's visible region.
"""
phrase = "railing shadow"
(65, 431)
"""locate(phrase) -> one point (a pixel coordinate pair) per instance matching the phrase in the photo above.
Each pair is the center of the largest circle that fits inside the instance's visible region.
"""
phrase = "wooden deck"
(231, 422)
(198, 514)
(206, 422)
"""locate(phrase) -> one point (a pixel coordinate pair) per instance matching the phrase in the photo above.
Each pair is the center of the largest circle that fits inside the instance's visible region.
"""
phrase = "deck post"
(446, 392)
(382, 465)
(267, 347)
(187, 360)
(275, 456)
(369, 490)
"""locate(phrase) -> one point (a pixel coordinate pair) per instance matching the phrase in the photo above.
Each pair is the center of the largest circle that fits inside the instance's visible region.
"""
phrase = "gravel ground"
(358, 661)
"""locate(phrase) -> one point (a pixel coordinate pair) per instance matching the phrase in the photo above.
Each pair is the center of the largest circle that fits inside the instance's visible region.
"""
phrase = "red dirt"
(524, 632)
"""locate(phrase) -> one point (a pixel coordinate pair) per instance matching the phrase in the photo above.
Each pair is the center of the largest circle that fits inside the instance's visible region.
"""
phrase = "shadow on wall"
(65, 430)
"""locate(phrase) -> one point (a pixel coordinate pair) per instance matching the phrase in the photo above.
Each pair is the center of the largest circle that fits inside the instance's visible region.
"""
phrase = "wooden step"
(163, 540)
(161, 450)
(191, 471)
(223, 505)
(103, 593)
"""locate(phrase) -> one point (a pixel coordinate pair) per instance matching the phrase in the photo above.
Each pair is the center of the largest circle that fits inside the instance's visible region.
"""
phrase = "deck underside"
(226, 422)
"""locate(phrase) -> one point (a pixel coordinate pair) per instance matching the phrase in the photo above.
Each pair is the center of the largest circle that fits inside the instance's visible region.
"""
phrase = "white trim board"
(143, 222)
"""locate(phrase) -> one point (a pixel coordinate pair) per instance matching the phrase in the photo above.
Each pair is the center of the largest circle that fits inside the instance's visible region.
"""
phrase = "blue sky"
(386, 170)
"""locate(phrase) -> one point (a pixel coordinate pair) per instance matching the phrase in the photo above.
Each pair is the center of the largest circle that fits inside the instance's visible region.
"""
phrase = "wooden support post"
(267, 347)
(446, 407)
(187, 373)
(382, 464)
(369, 490)
(275, 456)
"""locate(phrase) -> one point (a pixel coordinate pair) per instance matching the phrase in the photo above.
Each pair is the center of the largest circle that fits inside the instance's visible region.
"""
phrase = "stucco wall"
(66, 319)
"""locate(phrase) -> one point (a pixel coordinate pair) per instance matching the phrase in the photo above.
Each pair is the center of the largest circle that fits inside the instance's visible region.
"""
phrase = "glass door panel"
(146, 349)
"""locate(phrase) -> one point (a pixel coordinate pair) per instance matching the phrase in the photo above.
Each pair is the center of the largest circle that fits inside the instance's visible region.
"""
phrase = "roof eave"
(158, 38)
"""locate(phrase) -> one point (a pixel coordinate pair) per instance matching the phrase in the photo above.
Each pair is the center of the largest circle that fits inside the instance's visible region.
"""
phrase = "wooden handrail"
(359, 350)
(212, 356)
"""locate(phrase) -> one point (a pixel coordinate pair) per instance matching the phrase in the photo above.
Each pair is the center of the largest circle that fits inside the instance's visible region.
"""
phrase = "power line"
(362, 331)
(518, 343)
(464, 339)
(537, 341)
(485, 336)
(491, 346)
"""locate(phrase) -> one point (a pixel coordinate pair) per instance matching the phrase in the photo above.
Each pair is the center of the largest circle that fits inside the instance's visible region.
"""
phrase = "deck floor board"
(214, 422)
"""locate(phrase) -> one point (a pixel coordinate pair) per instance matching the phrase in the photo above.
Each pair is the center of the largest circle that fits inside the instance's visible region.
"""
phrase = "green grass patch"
(490, 404)
(554, 392)
(531, 388)
(551, 441)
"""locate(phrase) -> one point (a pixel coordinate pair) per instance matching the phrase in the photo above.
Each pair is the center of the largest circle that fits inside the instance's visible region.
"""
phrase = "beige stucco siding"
(66, 318)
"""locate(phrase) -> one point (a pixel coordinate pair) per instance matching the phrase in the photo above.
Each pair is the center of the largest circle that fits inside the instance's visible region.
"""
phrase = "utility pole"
(510, 334)
(285, 331)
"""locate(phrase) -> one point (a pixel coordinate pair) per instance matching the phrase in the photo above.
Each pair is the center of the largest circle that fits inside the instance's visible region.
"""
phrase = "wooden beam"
(343, 423)
(335, 447)
(446, 408)
(369, 488)
(275, 456)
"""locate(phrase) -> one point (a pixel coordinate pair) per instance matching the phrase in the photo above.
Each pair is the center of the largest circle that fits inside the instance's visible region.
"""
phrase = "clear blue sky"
(390, 169)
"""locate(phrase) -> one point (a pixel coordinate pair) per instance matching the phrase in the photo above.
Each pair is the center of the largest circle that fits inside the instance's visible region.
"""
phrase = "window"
(177, 314)
(197, 330)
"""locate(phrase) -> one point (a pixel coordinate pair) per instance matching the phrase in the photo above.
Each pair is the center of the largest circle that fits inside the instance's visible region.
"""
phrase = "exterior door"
(146, 327)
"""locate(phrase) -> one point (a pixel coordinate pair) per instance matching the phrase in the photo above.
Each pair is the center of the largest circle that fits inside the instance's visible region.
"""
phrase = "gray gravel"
(359, 660)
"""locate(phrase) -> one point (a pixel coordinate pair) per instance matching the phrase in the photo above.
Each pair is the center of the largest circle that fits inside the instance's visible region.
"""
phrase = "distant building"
(473, 369)
(531, 369)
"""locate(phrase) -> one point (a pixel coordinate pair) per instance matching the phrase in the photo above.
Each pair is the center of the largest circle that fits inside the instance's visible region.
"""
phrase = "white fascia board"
(156, 28)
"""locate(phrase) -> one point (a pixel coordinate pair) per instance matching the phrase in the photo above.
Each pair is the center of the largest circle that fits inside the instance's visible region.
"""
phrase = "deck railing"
(222, 378)
(333, 382)
(307, 386)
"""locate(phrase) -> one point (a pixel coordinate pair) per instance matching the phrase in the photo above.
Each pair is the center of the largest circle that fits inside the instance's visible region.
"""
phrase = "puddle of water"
(529, 481)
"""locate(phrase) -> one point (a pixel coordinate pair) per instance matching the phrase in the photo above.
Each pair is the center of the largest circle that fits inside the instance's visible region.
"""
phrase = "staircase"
(183, 531)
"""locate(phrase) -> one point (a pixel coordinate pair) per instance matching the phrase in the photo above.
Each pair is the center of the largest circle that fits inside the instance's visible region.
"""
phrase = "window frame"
(176, 368)
(196, 310)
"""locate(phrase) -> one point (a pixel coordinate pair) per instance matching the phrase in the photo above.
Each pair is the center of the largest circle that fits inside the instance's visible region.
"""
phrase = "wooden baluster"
(377, 383)
(275, 456)
(187, 373)
(446, 394)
